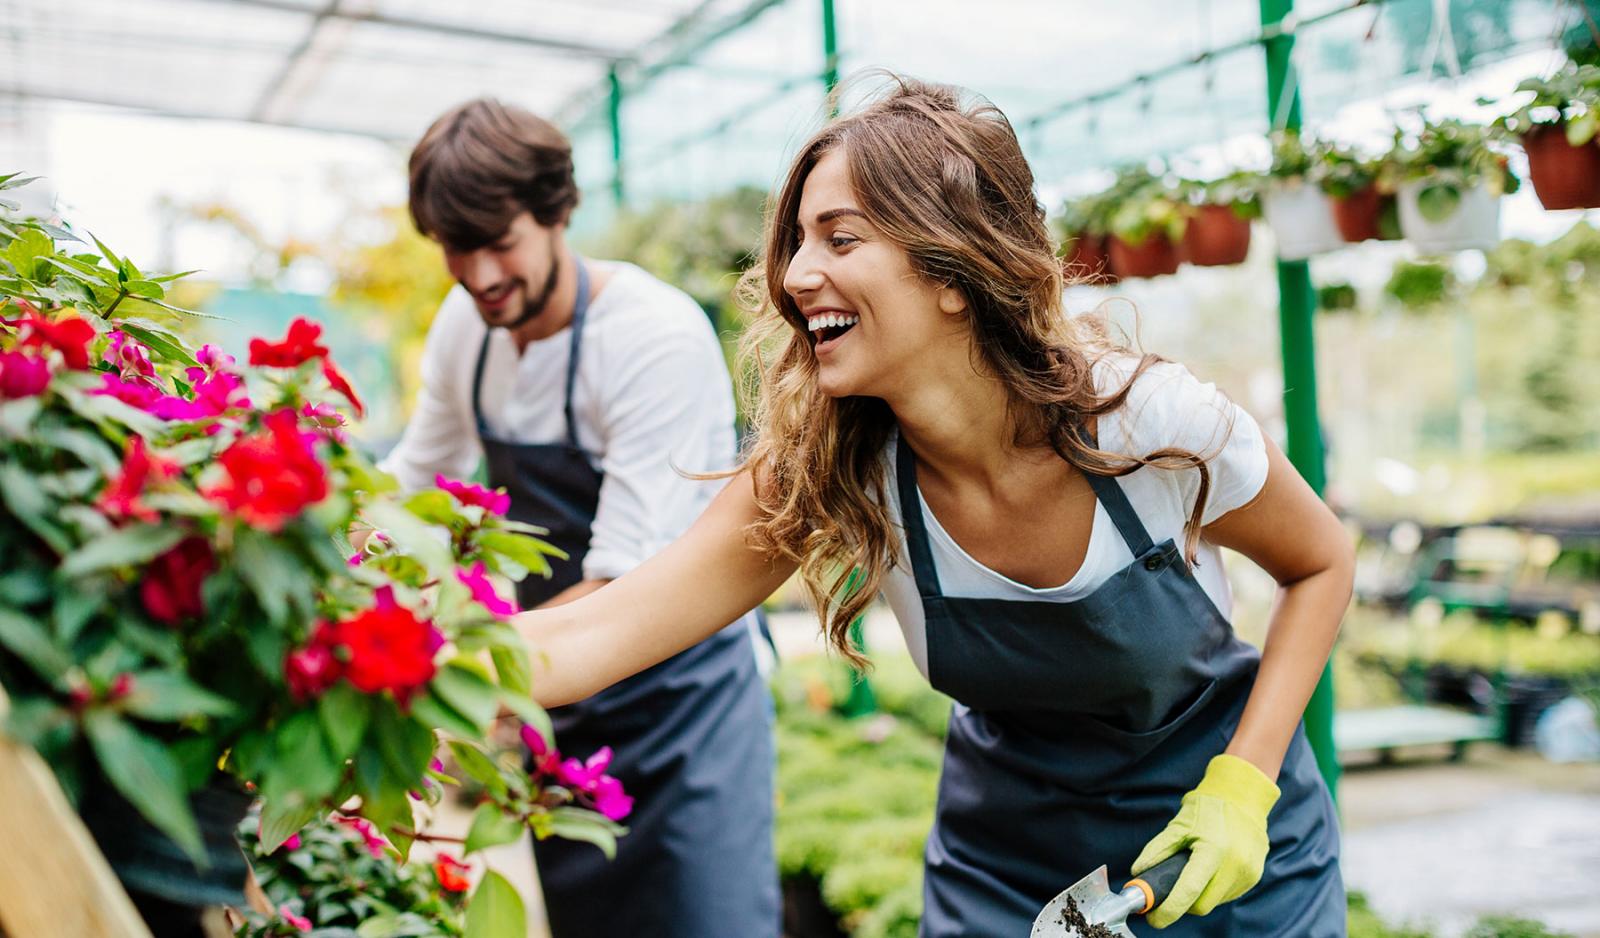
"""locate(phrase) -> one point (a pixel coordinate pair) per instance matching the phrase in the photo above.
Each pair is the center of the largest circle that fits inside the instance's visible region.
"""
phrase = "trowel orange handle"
(1156, 883)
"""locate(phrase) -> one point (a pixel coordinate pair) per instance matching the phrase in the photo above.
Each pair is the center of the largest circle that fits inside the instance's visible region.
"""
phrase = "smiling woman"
(1044, 512)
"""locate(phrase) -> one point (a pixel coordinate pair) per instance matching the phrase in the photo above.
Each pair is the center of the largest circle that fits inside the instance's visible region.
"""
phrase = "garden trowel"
(1105, 912)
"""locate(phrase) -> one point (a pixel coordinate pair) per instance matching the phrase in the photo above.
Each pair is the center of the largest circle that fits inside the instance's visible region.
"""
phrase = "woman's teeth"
(832, 321)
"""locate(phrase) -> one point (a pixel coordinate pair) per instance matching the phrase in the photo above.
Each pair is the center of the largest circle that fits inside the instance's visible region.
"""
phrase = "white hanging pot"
(1444, 215)
(1300, 218)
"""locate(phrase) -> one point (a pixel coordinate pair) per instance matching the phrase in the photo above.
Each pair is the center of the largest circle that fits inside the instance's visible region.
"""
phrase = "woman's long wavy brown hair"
(946, 181)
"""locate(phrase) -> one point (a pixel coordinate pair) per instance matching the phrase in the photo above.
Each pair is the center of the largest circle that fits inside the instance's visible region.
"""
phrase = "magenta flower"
(362, 826)
(297, 922)
(546, 760)
(293, 843)
(128, 355)
(477, 580)
(213, 359)
(584, 776)
(22, 375)
(326, 419)
(494, 502)
(610, 800)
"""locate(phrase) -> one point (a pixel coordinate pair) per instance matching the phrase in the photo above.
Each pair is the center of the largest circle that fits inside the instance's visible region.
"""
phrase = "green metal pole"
(830, 55)
(1297, 301)
(618, 190)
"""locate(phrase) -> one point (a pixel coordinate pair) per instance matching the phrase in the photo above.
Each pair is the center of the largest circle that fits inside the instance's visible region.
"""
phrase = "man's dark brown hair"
(481, 165)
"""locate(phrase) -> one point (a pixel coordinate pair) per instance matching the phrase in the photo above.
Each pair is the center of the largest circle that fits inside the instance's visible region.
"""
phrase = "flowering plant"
(179, 599)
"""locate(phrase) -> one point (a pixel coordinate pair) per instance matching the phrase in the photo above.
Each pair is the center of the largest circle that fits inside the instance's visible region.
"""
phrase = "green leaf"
(29, 641)
(1581, 130)
(165, 695)
(303, 763)
(90, 448)
(479, 767)
(1438, 202)
(528, 551)
(282, 818)
(495, 910)
(587, 826)
(406, 745)
(467, 690)
(429, 545)
(430, 709)
(491, 827)
(145, 288)
(147, 776)
(514, 669)
(167, 348)
(25, 252)
(345, 714)
(530, 712)
(30, 506)
(23, 587)
(432, 506)
(16, 417)
(122, 547)
(273, 574)
(73, 610)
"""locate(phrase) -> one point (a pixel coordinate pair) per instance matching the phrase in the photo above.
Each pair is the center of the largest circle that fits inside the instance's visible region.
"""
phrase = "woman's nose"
(803, 275)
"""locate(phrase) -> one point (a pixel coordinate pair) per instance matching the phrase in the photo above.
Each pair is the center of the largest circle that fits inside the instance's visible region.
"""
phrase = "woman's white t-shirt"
(1167, 407)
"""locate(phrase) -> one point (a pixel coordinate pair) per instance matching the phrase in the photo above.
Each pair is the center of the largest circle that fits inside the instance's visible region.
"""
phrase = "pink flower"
(293, 843)
(477, 580)
(140, 394)
(584, 776)
(610, 800)
(128, 355)
(362, 826)
(325, 419)
(494, 502)
(546, 760)
(213, 359)
(298, 922)
(22, 375)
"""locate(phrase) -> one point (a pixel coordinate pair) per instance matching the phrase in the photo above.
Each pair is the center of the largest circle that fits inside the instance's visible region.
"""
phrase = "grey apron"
(692, 736)
(1078, 727)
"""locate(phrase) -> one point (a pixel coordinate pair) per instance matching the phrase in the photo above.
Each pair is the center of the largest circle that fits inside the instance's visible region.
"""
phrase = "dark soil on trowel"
(1072, 917)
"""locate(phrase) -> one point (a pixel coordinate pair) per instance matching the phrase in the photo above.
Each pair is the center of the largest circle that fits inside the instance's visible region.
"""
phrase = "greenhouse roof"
(684, 97)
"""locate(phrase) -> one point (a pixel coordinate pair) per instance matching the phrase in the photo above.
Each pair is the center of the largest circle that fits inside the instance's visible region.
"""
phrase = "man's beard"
(535, 305)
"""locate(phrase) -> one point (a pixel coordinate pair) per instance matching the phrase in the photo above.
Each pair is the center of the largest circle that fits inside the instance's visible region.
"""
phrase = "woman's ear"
(952, 301)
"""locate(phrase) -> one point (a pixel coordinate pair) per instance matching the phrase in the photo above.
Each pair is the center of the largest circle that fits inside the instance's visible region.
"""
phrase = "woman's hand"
(701, 582)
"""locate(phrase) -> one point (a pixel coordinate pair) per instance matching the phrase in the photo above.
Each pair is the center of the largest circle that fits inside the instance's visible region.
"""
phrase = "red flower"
(71, 336)
(337, 381)
(452, 873)
(22, 375)
(387, 648)
(121, 499)
(298, 347)
(271, 476)
(171, 587)
(314, 668)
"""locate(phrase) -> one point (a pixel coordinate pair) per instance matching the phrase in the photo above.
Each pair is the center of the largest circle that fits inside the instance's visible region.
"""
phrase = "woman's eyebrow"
(833, 213)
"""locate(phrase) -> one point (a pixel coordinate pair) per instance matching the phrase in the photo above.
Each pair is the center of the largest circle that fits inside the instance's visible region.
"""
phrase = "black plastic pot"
(805, 915)
(163, 882)
(1523, 700)
(1460, 687)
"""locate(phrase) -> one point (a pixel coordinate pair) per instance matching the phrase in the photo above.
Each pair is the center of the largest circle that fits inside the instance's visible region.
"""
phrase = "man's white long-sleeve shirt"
(652, 399)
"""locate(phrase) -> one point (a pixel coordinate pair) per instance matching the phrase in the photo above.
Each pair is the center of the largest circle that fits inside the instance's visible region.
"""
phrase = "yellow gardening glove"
(1223, 823)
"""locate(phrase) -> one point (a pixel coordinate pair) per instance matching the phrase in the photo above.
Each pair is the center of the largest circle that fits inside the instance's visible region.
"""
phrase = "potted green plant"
(1293, 204)
(1556, 127)
(1361, 194)
(1218, 215)
(1083, 225)
(1146, 226)
(1451, 183)
(183, 627)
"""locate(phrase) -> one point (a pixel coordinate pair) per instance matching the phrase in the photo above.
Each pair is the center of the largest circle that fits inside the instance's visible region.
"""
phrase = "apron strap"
(1111, 495)
(905, 470)
(579, 310)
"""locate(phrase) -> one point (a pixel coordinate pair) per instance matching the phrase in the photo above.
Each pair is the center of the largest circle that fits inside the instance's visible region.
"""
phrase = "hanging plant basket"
(1154, 256)
(1086, 260)
(1438, 216)
(1368, 215)
(1564, 176)
(1301, 220)
(1216, 236)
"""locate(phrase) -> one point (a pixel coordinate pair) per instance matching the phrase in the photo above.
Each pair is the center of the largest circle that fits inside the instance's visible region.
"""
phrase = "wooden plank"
(53, 879)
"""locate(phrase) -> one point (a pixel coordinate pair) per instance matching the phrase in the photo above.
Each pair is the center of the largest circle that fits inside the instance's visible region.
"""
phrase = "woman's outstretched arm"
(700, 583)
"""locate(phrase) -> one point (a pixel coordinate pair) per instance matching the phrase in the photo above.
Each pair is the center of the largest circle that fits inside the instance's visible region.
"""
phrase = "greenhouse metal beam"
(549, 43)
(303, 64)
(1296, 305)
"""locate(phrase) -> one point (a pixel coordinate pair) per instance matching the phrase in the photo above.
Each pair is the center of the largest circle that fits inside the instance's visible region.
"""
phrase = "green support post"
(1297, 302)
(830, 55)
(618, 191)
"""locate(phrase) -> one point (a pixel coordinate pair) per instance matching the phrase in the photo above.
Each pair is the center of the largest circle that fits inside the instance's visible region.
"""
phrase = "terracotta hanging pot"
(1216, 237)
(1564, 176)
(1152, 257)
(1086, 261)
(1361, 217)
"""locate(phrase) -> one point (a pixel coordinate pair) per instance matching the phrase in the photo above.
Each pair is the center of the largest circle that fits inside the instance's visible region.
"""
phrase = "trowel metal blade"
(1089, 893)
